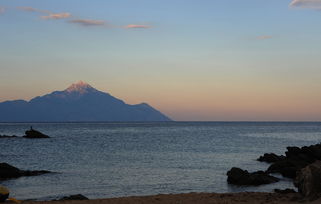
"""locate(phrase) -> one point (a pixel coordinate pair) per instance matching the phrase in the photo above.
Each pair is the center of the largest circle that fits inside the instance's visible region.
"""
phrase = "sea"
(102, 160)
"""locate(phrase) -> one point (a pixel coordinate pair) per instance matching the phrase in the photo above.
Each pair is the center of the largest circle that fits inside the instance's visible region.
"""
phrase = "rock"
(271, 158)
(34, 134)
(292, 151)
(8, 136)
(287, 167)
(285, 191)
(308, 180)
(9, 172)
(75, 197)
(238, 176)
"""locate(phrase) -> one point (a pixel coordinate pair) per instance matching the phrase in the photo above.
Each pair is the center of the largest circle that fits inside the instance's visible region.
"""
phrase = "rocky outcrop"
(271, 158)
(34, 134)
(295, 159)
(9, 172)
(241, 177)
(308, 180)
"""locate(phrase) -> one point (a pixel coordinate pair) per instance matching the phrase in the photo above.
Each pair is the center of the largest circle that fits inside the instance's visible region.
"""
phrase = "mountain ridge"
(79, 102)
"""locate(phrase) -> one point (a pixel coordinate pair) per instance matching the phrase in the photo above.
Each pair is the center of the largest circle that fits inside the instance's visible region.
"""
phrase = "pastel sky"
(193, 60)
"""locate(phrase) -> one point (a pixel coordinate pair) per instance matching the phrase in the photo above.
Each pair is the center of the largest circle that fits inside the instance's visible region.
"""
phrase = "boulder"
(241, 177)
(308, 180)
(75, 197)
(271, 158)
(9, 172)
(34, 134)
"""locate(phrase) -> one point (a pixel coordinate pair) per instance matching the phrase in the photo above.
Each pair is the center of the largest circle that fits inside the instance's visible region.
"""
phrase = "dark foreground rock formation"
(308, 180)
(34, 134)
(9, 172)
(301, 164)
(238, 176)
(295, 159)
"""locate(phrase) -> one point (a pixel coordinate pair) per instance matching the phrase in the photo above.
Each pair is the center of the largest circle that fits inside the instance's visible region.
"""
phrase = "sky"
(206, 60)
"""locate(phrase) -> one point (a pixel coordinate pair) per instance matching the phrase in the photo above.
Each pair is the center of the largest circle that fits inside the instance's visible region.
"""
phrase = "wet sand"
(195, 198)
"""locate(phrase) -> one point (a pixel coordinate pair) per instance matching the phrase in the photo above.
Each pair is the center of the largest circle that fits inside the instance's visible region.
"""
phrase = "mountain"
(79, 102)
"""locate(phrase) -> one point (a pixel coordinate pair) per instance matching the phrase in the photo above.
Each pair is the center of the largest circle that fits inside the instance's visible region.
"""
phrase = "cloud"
(264, 37)
(136, 26)
(311, 4)
(2, 9)
(31, 9)
(57, 16)
(130, 26)
(88, 22)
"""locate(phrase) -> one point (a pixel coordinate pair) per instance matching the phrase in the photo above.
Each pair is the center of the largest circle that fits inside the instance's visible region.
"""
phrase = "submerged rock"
(75, 197)
(241, 177)
(308, 180)
(8, 136)
(34, 134)
(9, 172)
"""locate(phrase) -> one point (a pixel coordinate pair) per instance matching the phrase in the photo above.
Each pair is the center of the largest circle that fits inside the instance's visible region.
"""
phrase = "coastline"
(195, 198)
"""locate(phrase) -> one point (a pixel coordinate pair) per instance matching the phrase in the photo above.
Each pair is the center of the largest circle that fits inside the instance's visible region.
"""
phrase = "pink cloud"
(130, 26)
(88, 22)
(311, 4)
(57, 16)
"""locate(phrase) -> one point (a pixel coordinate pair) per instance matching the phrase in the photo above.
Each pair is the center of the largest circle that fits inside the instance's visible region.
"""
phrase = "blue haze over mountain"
(79, 102)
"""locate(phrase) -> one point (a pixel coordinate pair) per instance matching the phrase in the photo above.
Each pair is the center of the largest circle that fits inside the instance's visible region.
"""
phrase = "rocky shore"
(303, 165)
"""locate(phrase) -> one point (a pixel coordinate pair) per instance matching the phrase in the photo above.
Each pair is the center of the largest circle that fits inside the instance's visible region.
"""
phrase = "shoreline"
(195, 198)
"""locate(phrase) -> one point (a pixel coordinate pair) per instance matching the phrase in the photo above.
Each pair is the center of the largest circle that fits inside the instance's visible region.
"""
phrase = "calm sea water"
(123, 159)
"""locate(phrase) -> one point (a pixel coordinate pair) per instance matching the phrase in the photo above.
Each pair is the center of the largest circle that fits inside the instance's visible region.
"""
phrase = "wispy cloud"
(31, 9)
(57, 16)
(76, 20)
(2, 9)
(131, 26)
(264, 37)
(311, 4)
(88, 22)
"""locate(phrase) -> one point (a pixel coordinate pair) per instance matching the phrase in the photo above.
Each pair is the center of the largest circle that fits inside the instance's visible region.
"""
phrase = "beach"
(194, 198)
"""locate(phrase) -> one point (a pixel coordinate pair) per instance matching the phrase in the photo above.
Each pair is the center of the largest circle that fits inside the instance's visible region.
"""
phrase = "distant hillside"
(79, 102)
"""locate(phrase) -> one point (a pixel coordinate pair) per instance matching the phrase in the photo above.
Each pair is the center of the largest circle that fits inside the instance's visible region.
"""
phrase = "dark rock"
(292, 151)
(271, 158)
(285, 191)
(9, 172)
(8, 136)
(287, 167)
(308, 180)
(75, 197)
(238, 176)
(34, 134)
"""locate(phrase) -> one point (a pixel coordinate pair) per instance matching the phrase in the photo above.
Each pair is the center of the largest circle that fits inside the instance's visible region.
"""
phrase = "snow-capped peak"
(81, 87)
